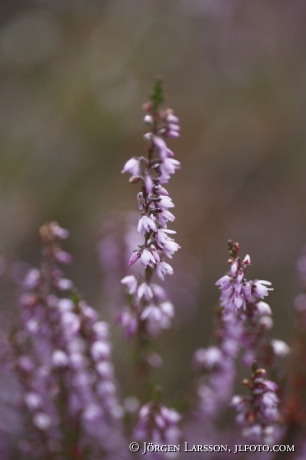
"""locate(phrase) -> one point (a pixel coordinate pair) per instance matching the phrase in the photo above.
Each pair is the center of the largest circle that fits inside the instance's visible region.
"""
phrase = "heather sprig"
(148, 309)
(258, 414)
(157, 423)
(62, 358)
(243, 298)
(242, 321)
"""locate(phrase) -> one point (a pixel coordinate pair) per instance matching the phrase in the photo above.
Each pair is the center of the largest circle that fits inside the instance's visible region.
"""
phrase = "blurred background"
(73, 77)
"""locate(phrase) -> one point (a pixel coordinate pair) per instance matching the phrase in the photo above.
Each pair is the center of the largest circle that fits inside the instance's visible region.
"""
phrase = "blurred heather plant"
(118, 238)
(61, 356)
(243, 317)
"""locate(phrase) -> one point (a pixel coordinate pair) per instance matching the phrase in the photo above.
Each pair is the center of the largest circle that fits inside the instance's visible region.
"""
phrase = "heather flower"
(134, 257)
(163, 269)
(132, 166)
(131, 283)
(280, 348)
(146, 225)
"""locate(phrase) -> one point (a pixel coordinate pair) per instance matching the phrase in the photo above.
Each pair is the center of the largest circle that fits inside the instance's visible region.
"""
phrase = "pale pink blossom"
(146, 224)
(163, 269)
(132, 166)
(131, 283)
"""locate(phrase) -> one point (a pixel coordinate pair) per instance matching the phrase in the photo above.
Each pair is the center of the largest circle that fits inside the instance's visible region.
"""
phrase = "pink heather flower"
(100, 350)
(167, 308)
(131, 283)
(234, 268)
(145, 225)
(58, 231)
(155, 253)
(148, 119)
(209, 357)
(32, 279)
(145, 291)
(165, 202)
(134, 257)
(60, 358)
(247, 260)
(280, 348)
(33, 400)
(129, 323)
(174, 127)
(168, 167)
(163, 269)
(149, 184)
(263, 308)
(172, 133)
(159, 292)
(266, 322)
(153, 312)
(132, 166)
(247, 291)
(70, 322)
(147, 258)
(42, 421)
(101, 330)
(158, 317)
(65, 305)
(159, 190)
(164, 216)
(26, 363)
(160, 144)
(162, 237)
(63, 257)
(169, 248)
(224, 282)
(64, 284)
(260, 288)
(172, 118)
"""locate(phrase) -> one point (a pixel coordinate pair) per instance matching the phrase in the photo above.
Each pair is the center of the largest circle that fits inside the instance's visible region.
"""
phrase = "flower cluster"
(243, 319)
(244, 298)
(62, 358)
(258, 413)
(236, 290)
(149, 309)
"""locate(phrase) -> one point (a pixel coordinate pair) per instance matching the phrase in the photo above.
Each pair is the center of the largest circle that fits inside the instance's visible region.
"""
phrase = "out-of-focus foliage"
(73, 76)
